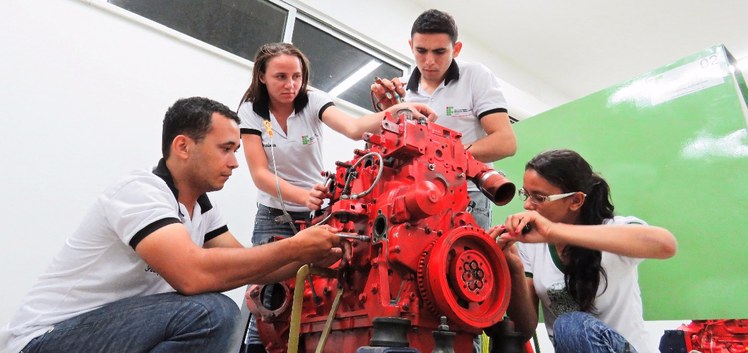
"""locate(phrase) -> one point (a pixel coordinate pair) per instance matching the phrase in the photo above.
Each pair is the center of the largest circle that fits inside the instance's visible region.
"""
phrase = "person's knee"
(569, 332)
(221, 309)
(216, 315)
(569, 323)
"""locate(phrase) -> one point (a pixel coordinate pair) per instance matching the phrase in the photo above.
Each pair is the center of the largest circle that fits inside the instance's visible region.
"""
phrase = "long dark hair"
(257, 93)
(568, 171)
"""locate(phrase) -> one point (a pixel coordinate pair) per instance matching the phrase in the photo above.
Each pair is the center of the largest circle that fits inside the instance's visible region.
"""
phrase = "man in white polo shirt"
(144, 271)
(466, 96)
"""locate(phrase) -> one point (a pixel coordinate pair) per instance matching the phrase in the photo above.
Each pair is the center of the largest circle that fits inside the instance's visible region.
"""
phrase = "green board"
(672, 144)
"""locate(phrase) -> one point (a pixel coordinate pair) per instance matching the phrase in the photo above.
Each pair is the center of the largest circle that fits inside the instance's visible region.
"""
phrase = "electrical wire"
(376, 180)
(347, 181)
(269, 129)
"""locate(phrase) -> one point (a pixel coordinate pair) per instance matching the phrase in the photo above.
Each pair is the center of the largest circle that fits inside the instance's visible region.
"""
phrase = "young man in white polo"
(466, 96)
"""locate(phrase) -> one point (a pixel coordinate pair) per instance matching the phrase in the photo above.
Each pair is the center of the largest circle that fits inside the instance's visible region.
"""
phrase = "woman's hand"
(316, 196)
(540, 228)
(507, 247)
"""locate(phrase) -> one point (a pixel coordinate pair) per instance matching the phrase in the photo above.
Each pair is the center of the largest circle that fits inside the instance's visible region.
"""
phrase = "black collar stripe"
(263, 109)
(453, 73)
(163, 172)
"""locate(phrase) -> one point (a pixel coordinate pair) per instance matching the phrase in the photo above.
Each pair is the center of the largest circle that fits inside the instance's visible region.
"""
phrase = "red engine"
(707, 336)
(420, 254)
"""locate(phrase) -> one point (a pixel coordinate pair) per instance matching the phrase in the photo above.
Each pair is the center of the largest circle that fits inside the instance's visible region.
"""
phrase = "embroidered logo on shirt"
(306, 140)
(452, 111)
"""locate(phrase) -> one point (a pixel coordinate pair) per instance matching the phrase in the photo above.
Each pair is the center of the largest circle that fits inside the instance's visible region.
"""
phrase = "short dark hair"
(435, 21)
(191, 117)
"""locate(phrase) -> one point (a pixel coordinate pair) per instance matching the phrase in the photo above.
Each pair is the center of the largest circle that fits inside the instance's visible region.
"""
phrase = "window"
(334, 60)
(342, 65)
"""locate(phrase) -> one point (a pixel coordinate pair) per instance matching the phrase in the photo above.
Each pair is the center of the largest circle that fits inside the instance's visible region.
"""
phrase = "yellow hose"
(298, 301)
(328, 323)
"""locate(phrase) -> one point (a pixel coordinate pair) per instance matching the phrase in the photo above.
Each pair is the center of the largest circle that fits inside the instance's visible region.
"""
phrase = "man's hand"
(387, 93)
(345, 258)
(317, 244)
(419, 110)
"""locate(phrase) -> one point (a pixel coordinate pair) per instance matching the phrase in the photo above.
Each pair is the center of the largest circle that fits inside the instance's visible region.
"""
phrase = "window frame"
(296, 10)
(356, 40)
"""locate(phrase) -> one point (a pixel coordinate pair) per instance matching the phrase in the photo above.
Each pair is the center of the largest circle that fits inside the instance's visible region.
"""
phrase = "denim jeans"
(166, 322)
(266, 227)
(482, 209)
(578, 332)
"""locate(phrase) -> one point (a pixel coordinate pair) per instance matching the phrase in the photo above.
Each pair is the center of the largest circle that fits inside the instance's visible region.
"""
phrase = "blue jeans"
(482, 210)
(266, 227)
(578, 332)
(166, 322)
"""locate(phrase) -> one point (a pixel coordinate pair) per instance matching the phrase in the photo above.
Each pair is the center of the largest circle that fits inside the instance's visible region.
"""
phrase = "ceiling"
(581, 46)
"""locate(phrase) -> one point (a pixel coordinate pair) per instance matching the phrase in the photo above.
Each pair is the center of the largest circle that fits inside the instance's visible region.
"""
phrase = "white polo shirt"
(298, 153)
(98, 263)
(469, 92)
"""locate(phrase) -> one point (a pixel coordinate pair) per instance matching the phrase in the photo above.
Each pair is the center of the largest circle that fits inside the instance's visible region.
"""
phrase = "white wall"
(83, 94)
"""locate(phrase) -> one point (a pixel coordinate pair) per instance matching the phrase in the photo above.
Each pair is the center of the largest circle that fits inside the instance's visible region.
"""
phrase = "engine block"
(712, 336)
(420, 254)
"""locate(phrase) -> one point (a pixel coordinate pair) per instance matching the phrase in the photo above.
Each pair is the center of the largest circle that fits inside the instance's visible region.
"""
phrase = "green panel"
(673, 146)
